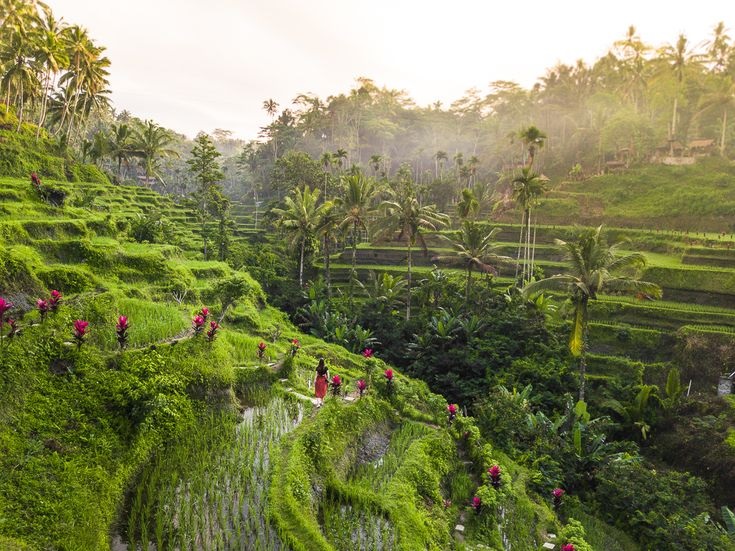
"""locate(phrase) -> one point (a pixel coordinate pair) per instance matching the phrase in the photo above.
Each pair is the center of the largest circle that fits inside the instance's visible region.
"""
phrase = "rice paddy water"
(209, 491)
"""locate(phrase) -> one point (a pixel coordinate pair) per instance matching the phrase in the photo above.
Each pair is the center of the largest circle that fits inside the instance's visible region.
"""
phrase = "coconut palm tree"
(271, 107)
(151, 144)
(720, 98)
(327, 229)
(355, 206)
(52, 55)
(121, 147)
(404, 214)
(468, 206)
(19, 80)
(300, 219)
(719, 49)
(439, 158)
(594, 267)
(527, 188)
(340, 157)
(474, 248)
(534, 139)
(679, 59)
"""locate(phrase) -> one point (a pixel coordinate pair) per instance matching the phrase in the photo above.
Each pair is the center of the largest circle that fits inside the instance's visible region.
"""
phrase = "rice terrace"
(250, 301)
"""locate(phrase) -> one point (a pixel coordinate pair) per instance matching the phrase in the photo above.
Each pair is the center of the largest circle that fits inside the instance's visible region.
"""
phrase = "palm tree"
(719, 49)
(355, 207)
(375, 162)
(404, 214)
(19, 79)
(326, 229)
(271, 107)
(474, 248)
(51, 54)
(720, 97)
(439, 158)
(527, 188)
(678, 58)
(534, 139)
(468, 206)
(340, 157)
(300, 219)
(593, 268)
(121, 146)
(151, 143)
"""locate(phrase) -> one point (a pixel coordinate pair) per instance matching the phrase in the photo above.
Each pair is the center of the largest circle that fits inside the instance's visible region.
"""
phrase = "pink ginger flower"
(204, 313)
(122, 331)
(42, 307)
(368, 353)
(361, 386)
(80, 331)
(212, 333)
(568, 547)
(388, 375)
(55, 300)
(476, 504)
(198, 324)
(494, 473)
(4, 307)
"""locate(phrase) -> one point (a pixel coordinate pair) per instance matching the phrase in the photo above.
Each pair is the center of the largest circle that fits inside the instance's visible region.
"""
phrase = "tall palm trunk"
(327, 272)
(533, 247)
(353, 271)
(722, 134)
(527, 255)
(520, 242)
(583, 352)
(408, 278)
(468, 286)
(301, 263)
(42, 117)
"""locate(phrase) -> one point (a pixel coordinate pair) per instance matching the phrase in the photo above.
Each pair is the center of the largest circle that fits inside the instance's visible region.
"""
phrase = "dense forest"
(525, 302)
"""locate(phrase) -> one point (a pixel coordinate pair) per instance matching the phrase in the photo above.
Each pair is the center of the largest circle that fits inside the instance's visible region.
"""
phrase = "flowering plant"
(36, 182)
(557, 494)
(452, 411)
(336, 385)
(198, 324)
(388, 374)
(204, 312)
(4, 307)
(494, 474)
(295, 346)
(568, 547)
(361, 386)
(122, 331)
(368, 353)
(55, 301)
(80, 331)
(261, 350)
(212, 333)
(42, 307)
(476, 504)
(14, 330)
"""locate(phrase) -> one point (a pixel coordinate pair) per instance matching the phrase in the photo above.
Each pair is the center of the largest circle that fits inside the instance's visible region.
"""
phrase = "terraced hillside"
(161, 444)
(694, 271)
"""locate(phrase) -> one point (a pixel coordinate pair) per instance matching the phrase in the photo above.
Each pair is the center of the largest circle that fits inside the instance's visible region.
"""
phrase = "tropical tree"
(440, 158)
(594, 267)
(474, 249)
(468, 206)
(678, 59)
(121, 147)
(271, 107)
(404, 214)
(205, 169)
(52, 55)
(720, 98)
(300, 219)
(534, 139)
(355, 207)
(527, 188)
(327, 229)
(151, 144)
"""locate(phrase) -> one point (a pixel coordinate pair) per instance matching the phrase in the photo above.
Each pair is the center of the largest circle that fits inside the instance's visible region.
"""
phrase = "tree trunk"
(327, 274)
(301, 264)
(722, 134)
(673, 121)
(520, 242)
(408, 278)
(583, 355)
(527, 255)
(469, 283)
(353, 271)
(533, 247)
(42, 117)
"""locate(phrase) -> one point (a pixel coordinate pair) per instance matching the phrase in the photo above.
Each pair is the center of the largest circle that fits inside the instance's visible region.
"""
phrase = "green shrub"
(67, 278)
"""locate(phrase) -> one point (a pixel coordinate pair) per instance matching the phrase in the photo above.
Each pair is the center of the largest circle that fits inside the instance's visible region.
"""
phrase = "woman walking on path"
(321, 382)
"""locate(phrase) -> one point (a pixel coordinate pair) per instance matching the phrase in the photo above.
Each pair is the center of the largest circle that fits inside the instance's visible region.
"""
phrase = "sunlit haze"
(193, 65)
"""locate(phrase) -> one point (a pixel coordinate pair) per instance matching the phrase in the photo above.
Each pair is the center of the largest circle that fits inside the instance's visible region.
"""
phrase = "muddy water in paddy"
(209, 490)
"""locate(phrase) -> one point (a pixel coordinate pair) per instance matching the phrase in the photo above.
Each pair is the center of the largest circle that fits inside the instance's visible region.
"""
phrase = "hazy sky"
(196, 65)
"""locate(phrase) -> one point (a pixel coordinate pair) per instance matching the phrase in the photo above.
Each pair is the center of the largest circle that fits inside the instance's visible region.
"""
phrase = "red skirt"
(320, 386)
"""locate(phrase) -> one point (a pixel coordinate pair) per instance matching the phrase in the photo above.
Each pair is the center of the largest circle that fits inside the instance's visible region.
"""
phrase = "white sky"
(196, 65)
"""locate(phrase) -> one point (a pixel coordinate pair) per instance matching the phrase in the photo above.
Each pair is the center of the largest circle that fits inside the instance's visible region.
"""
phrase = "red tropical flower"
(494, 474)
(261, 350)
(55, 300)
(42, 307)
(212, 333)
(80, 331)
(204, 313)
(388, 375)
(568, 547)
(4, 307)
(361, 386)
(295, 346)
(557, 494)
(336, 385)
(122, 331)
(368, 352)
(452, 409)
(198, 324)
(13, 328)
(476, 504)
